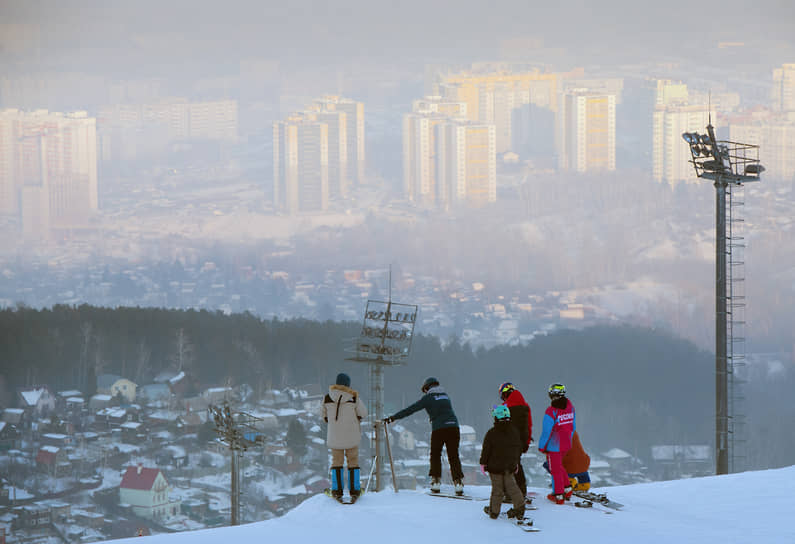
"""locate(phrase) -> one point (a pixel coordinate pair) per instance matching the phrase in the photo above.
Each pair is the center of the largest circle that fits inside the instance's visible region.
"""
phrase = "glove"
(388, 420)
(483, 469)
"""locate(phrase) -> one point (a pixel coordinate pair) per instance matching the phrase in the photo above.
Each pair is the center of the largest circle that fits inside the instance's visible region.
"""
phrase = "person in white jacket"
(343, 410)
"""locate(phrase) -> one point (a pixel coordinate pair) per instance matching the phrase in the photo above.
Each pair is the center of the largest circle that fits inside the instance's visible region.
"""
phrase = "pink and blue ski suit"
(557, 429)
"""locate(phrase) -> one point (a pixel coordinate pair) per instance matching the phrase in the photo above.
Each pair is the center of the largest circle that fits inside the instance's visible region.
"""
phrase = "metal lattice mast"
(735, 244)
(385, 340)
(729, 165)
(238, 431)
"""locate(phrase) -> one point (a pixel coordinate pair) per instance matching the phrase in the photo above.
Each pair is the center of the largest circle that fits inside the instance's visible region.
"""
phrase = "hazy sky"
(305, 30)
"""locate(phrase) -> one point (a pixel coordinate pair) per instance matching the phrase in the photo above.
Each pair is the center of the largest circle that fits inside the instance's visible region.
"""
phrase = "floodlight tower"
(236, 430)
(729, 165)
(385, 340)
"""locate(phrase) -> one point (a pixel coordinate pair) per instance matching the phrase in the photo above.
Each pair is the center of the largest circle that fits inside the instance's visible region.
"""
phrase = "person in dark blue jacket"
(444, 432)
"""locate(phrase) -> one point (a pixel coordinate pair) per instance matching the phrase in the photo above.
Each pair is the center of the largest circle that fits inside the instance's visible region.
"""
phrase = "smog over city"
(214, 201)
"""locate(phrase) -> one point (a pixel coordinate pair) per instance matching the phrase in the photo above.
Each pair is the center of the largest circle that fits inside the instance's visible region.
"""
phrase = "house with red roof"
(146, 491)
(50, 458)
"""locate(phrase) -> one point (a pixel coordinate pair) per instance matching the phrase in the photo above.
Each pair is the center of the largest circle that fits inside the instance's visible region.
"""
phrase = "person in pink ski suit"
(555, 441)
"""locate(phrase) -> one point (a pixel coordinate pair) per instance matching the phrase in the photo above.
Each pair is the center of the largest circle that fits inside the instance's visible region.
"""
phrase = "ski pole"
(389, 452)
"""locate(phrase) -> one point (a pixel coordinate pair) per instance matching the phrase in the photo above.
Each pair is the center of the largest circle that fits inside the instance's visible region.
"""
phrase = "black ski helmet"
(557, 391)
(428, 383)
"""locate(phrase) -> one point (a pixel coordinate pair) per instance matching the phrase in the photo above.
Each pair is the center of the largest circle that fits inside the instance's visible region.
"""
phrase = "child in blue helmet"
(500, 458)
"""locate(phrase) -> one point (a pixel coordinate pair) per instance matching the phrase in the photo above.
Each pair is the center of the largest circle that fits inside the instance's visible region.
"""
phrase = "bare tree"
(182, 356)
(142, 357)
(86, 331)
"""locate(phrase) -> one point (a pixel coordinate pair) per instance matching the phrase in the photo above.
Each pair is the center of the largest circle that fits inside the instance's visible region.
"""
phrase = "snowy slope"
(748, 507)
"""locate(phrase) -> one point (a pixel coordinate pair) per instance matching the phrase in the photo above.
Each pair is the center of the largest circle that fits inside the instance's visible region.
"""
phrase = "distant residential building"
(491, 95)
(146, 490)
(37, 400)
(129, 131)
(783, 94)
(774, 133)
(587, 131)
(50, 459)
(674, 115)
(124, 387)
(421, 183)
(354, 133)
(48, 169)
(300, 165)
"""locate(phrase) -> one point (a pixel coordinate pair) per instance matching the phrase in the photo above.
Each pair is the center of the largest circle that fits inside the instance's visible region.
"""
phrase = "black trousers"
(449, 437)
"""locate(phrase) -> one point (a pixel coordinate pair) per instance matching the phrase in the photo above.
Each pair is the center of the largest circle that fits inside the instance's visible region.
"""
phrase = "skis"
(598, 498)
(454, 496)
(341, 500)
(525, 524)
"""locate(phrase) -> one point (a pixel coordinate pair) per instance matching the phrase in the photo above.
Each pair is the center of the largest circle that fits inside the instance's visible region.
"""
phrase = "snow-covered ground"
(748, 507)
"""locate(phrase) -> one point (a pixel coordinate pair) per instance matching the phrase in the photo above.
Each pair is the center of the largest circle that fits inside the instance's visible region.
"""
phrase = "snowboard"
(598, 498)
(526, 524)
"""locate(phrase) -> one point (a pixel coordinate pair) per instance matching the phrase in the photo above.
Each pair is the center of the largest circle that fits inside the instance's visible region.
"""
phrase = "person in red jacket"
(522, 420)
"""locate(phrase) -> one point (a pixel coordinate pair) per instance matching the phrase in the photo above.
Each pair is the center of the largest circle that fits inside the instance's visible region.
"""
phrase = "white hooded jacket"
(343, 410)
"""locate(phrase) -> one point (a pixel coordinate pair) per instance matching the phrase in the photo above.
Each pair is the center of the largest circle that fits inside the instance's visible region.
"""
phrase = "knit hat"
(343, 379)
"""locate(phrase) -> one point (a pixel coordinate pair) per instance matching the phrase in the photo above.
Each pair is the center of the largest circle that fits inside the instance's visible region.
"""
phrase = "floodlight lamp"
(690, 138)
(754, 169)
(705, 139)
(696, 150)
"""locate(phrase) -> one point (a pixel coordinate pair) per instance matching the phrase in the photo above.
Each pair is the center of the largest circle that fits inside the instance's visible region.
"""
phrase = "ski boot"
(336, 483)
(557, 499)
(516, 513)
(353, 483)
(436, 485)
(487, 510)
(567, 493)
(459, 487)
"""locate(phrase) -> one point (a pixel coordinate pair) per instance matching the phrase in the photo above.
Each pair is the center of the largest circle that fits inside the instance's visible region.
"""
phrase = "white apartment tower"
(587, 131)
(354, 118)
(774, 133)
(672, 116)
(420, 149)
(300, 165)
(48, 169)
(784, 88)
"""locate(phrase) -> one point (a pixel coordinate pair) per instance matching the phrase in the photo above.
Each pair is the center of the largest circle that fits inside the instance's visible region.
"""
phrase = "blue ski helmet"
(501, 413)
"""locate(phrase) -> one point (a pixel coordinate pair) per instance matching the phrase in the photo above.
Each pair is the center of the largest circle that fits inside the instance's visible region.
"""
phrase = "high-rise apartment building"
(672, 116)
(448, 160)
(492, 97)
(784, 88)
(300, 165)
(467, 162)
(586, 131)
(774, 133)
(129, 131)
(420, 149)
(337, 122)
(354, 117)
(48, 169)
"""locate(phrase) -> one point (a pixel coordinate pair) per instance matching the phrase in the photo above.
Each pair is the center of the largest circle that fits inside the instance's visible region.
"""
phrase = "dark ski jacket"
(501, 448)
(520, 417)
(439, 408)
